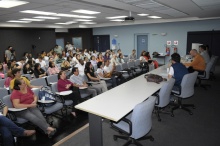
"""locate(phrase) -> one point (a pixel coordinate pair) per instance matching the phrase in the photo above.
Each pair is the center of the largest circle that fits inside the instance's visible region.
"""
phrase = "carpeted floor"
(200, 129)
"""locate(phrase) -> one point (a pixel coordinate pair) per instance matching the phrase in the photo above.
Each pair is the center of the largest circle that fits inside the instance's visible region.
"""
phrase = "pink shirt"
(26, 98)
(52, 71)
(7, 81)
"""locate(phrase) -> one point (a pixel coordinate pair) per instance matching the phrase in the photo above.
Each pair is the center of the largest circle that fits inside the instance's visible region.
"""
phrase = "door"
(142, 44)
(101, 43)
(60, 42)
(77, 41)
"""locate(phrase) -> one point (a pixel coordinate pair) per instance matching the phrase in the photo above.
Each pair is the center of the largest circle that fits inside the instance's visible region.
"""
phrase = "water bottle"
(43, 98)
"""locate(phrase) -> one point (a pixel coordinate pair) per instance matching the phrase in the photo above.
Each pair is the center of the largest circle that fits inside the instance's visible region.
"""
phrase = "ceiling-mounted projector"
(130, 18)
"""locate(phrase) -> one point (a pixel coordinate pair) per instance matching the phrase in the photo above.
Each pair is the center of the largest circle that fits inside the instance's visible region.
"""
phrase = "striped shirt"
(76, 79)
(2, 105)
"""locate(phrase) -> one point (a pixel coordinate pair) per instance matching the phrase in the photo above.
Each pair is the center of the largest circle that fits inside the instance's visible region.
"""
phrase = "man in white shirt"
(79, 81)
(204, 53)
(42, 62)
(21, 63)
(69, 46)
(114, 60)
(58, 49)
(81, 67)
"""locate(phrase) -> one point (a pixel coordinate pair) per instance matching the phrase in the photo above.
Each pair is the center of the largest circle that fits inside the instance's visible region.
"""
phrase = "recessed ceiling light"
(67, 23)
(86, 11)
(74, 16)
(155, 17)
(116, 17)
(62, 23)
(118, 20)
(38, 12)
(46, 17)
(17, 21)
(11, 3)
(83, 20)
(30, 19)
(89, 23)
(143, 14)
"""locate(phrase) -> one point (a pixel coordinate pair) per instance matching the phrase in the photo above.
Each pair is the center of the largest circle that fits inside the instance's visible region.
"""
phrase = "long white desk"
(118, 102)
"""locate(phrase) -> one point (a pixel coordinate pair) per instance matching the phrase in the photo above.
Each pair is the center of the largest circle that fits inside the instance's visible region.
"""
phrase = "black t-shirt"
(91, 72)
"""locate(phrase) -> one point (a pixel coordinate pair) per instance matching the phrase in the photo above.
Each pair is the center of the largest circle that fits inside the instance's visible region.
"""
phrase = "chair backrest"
(3, 92)
(118, 67)
(39, 82)
(28, 76)
(208, 69)
(131, 64)
(137, 62)
(7, 101)
(54, 87)
(36, 91)
(141, 118)
(52, 78)
(2, 83)
(187, 84)
(164, 94)
(124, 65)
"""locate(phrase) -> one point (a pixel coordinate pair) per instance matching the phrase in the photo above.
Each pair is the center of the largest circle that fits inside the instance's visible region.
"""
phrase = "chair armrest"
(128, 122)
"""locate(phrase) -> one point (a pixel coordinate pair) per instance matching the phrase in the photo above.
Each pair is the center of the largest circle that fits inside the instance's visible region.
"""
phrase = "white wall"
(175, 31)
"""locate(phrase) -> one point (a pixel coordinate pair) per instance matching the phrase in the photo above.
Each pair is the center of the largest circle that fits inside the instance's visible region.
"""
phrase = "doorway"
(60, 42)
(77, 41)
(141, 43)
(101, 43)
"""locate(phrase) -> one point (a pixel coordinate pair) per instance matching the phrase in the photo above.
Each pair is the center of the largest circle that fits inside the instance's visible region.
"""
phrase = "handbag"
(46, 94)
(154, 78)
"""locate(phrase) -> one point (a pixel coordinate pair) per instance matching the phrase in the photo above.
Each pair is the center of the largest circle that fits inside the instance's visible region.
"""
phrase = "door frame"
(81, 41)
(135, 41)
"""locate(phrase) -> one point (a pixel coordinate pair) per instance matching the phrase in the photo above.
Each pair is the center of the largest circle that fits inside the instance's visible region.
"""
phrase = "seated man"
(9, 129)
(198, 62)
(177, 70)
(79, 82)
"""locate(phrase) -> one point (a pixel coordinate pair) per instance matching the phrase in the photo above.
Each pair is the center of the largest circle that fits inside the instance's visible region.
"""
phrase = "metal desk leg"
(95, 130)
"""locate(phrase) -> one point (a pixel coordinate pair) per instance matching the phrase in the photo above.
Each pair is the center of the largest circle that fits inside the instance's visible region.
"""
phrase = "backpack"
(154, 78)
(46, 94)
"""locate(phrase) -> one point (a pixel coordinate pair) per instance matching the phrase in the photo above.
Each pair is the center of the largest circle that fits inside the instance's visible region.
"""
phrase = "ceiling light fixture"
(11, 3)
(38, 12)
(154, 17)
(86, 20)
(89, 23)
(142, 14)
(18, 21)
(117, 20)
(46, 17)
(30, 19)
(85, 11)
(116, 17)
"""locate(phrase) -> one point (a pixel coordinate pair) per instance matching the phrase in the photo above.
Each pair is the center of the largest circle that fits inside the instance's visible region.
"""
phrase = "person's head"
(69, 58)
(37, 66)
(1, 66)
(114, 56)
(175, 57)
(99, 65)
(133, 51)
(16, 72)
(202, 48)
(56, 46)
(107, 63)
(25, 54)
(77, 56)
(62, 75)
(40, 58)
(142, 53)
(19, 84)
(100, 56)
(107, 54)
(51, 59)
(93, 58)
(81, 61)
(75, 71)
(9, 74)
(26, 65)
(88, 65)
(10, 48)
(51, 64)
(193, 52)
(86, 59)
(120, 56)
(13, 62)
(23, 59)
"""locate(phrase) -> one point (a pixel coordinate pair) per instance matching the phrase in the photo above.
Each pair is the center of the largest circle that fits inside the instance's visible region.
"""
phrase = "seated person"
(204, 53)
(38, 71)
(133, 55)
(147, 57)
(197, 64)
(53, 69)
(60, 59)
(79, 82)
(9, 129)
(81, 67)
(120, 58)
(23, 97)
(177, 70)
(16, 72)
(93, 61)
(101, 73)
(65, 65)
(27, 69)
(89, 72)
(64, 85)
(8, 79)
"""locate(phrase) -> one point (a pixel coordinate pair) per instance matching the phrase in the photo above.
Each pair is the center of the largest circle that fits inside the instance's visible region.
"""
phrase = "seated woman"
(64, 85)
(106, 56)
(101, 73)
(89, 72)
(53, 69)
(38, 71)
(93, 61)
(65, 66)
(8, 79)
(23, 97)
(27, 69)
(147, 57)
(121, 58)
(100, 58)
(9, 129)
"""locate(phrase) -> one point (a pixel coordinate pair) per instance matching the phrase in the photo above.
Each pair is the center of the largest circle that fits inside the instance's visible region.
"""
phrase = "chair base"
(183, 107)
(132, 140)
(159, 110)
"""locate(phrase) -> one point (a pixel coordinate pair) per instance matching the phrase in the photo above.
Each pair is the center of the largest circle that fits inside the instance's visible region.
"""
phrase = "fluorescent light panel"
(116, 17)
(117, 20)
(67, 23)
(89, 23)
(31, 19)
(154, 17)
(18, 21)
(142, 14)
(11, 3)
(86, 20)
(38, 12)
(74, 16)
(85, 11)
(46, 17)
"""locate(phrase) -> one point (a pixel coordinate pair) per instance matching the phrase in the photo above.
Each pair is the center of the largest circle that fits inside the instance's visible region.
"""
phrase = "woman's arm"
(92, 78)
(17, 104)
(5, 111)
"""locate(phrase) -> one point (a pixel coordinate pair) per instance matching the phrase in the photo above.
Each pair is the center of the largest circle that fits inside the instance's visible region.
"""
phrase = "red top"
(25, 98)
(61, 85)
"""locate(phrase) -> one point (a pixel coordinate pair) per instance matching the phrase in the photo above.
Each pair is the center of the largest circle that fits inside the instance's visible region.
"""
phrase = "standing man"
(79, 82)
(58, 49)
(8, 54)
